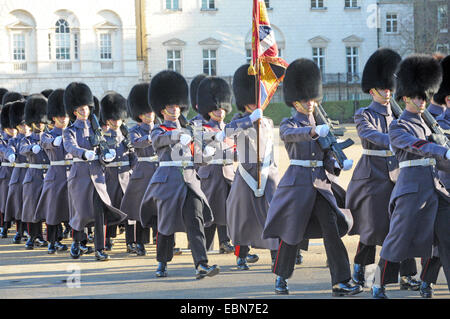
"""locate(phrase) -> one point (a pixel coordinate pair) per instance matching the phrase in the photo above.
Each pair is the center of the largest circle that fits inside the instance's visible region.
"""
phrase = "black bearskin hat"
(168, 88)
(193, 90)
(4, 116)
(36, 109)
(418, 75)
(303, 82)
(244, 87)
(213, 93)
(16, 113)
(379, 70)
(47, 92)
(12, 97)
(3, 91)
(77, 94)
(55, 105)
(138, 101)
(444, 89)
(113, 107)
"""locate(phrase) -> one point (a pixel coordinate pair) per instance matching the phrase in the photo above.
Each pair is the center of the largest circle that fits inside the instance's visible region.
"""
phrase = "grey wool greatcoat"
(117, 178)
(444, 122)
(169, 185)
(34, 178)
(414, 199)
(374, 177)
(5, 172)
(53, 206)
(85, 178)
(247, 213)
(13, 209)
(216, 179)
(291, 215)
(142, 172)
(436, 110)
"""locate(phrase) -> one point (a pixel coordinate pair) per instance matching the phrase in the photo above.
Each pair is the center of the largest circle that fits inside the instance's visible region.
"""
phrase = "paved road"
(35, 274)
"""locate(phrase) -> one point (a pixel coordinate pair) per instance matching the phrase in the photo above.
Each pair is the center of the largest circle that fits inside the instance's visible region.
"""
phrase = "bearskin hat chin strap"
(381, 97)
(300, 106)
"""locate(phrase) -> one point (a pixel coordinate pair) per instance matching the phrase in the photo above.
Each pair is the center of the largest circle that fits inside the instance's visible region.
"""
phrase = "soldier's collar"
(412, 117)
(436, 108)
(145, 126)
(82, 124)
(304, 118)
(379, 108)
(447, 113)
(175, 124)
(57, 130)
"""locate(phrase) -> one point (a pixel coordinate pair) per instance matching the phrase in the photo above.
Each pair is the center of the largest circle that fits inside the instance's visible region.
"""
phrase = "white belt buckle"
(313, 163)
(184, 164)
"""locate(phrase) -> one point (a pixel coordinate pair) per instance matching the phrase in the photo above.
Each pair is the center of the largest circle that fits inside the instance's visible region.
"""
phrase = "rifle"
(330, 142)
(98, 139)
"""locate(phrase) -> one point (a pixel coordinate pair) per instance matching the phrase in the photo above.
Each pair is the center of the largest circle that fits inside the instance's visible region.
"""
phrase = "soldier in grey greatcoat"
(303, 205)
(175, 187)
(147, 162)
(418, 196)
(435, 108)
(53, 206)
(113, 113)
(214, 103)
(247, 204)
(86, 181)
(193, 87)
(374, 177)
(38, 163)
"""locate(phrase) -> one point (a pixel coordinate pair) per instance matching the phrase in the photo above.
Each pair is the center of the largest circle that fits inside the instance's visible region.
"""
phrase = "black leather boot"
(204, 270)
(345, 289)
(358, 274)
(242, 264)
(378, 292)
(161, 271)
(408, 282)
(75, 250)
(426, 290)
(281, 287)
(100, 255)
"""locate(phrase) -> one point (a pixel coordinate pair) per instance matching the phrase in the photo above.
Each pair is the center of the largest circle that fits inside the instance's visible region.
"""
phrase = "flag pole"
(257, 87)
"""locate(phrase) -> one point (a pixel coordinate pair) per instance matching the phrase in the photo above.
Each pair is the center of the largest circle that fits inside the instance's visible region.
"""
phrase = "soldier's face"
(415, 105)
(11, 131)
(305, 107)
(171, 112)
(147, 118)
(218, 115)
(39, 127)
(114, 124)
(24, 129)
(82, 112)
(382, 96)
(61, 121)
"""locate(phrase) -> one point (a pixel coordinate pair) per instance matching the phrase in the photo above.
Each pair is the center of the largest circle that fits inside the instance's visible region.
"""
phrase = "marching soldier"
(247, 204)
(175, 188)
(6, 167)
(435, 108)
(193, 95)
(86, 181)
(38, 162)
(314, 214)
(117, 173)
(375, 174)
(418, 196)
(214, 103)
(54, 204)
(138, 106)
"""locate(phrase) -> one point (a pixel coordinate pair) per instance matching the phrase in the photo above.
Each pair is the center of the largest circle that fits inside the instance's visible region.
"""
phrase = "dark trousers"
(34, 230)
(441, 231)
(242, 251)
(192, 212)
(54, 233)
(3, 224)
(334, 247)
(430, 269)
(136, 233)
(365, 255)
(20, 227)
(222, 232)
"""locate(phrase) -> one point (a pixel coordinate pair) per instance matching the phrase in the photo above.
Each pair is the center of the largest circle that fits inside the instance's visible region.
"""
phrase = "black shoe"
(205, 270)
(426, 290)
(345, 289)
(252, 258)
(60, 247)
(108, 244)
(17, 239)
(407, 282)
(281, 287)
(358, 274)
(162, 270)
(226, 248)
(140, 250)
(66, 232)
(51, 249)
(41, 242)
(75, 250)
(177, 251)
(131, 248)
(242, 264)
(299, 258)
(100, 255)
(29, 244)
(85, 250)
(90, 238)
(378, 292)
(4, 233)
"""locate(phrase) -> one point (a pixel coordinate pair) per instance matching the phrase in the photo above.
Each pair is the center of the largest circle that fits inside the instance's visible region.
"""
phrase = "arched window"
(62, 40)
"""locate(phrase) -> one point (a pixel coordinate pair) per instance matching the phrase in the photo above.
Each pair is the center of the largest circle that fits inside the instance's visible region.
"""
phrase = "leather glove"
(57, 141)
(89, 155)
(185, 139)
(12, 158)
(348, 163)
(220, 136)
(322, 130)
(36, 149)
(256, 115)
(108, 157)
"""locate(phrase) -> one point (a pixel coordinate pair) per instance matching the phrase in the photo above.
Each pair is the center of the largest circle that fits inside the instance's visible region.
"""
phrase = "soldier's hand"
(348, 163)
(322, 130)
(149, 137)
(12, 158)
(89, 155)
(256, 115)
(439, 139)
(220, 136)
(185, 139)
(57, 141)
(209, 151)
(108, 157)
(36, 149)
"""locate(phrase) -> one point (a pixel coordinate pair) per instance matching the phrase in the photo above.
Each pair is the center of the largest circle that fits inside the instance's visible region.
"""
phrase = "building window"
(442, 18)
(208, 4)
(351, 3)
(209, 62)
(49, 46)
(174, 60)
(172, 4)
(443, 48)
(317, 4)
(105, 46)
(19, 47)
(352, 56)
(76, 45)
(391, 23)
(62, 37)
(318, 55)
